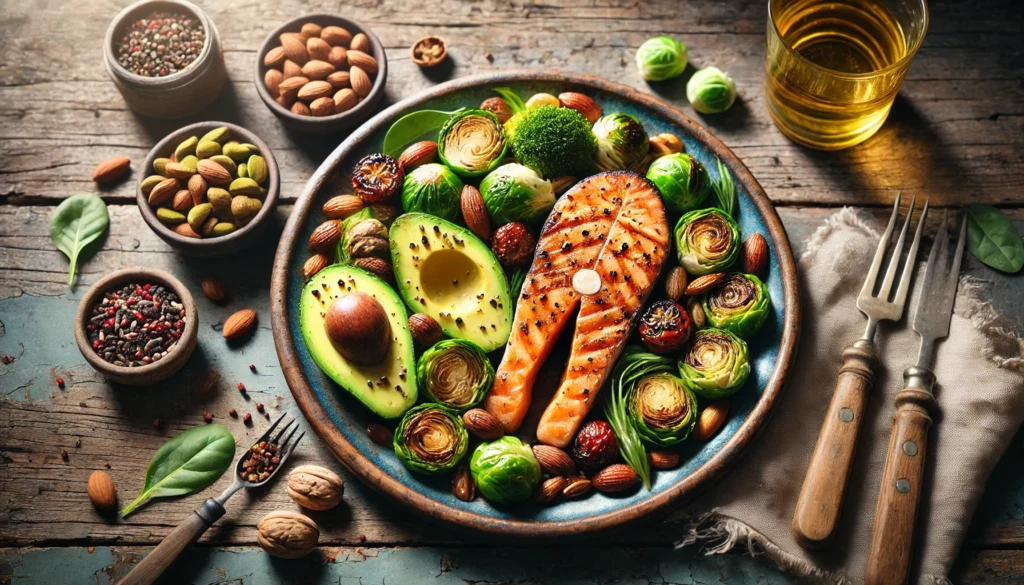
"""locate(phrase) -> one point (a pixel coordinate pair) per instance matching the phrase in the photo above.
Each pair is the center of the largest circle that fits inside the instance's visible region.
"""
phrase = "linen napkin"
(980, 392)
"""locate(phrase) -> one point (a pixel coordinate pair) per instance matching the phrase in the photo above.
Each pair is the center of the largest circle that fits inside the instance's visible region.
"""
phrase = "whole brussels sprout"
(513, 192)
(741, 304)
(707, 240)
(681, 180)
(455, 373)
(505, 470)
(621, 141)
(432, 188)
(717, 364)
(431, 439)
(663, 409)
(661, 58)
(472, 143)
(711, 91)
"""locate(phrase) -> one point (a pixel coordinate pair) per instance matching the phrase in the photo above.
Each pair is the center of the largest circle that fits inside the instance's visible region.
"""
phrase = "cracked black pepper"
(136, 325)
(161, 45)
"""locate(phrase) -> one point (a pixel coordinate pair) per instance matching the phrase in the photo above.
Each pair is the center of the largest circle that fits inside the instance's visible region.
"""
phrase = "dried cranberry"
(377, 178)
(514, 245)
(665, 327)
(595, 447)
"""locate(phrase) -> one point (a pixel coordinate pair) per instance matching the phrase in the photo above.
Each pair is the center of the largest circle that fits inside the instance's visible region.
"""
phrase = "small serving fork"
(189, 531)
(892, 536)
(821, 497)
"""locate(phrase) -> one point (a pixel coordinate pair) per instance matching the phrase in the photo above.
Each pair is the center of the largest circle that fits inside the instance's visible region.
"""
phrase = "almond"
(272, 80)
(549, 490)
(576, 487)
(163, 191)
(111, 169)
(239, 325)
(615, 478)
(342, 206)
(314, 90)
(323, 106)
(285, 102)
(705, 283)
(378, 267)
(474, 212)
(317, 70)
(338, 79)
(317, 48)
(336, 36)
(214, 290)
(338, 57)
(419, 153)
(213, 172)
(311, 29)
(425, 330)
(183, 229)
(102, 492)
(314, 264)
(301, 109)
(484, 425)
(711, 420)
(291, 69)
(294, 48)
(661, 459)
(275, 57)
(675, 283)
(197, 188)
(665, 143)
(360, 81)
(755, 256)
(361, 42)
(380, 434)
(177, 171)
(554, 460)
(582, 104)
(362, 60)
(325, 237)
(291, 85)
(696, 311)
(182, 201)
(345, 99)
(462, 483)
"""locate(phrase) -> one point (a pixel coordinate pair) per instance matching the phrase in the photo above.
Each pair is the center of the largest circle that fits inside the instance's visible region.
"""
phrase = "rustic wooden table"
(955, 135)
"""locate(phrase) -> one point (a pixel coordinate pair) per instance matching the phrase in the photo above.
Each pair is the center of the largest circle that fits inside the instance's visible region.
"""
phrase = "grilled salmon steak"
(613, 224)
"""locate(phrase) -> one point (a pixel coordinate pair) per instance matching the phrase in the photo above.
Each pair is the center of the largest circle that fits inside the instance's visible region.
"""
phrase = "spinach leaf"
(414, 127)
(724, 190)
(993, 239)
(515, 103)
(78, 221)
(187, 464)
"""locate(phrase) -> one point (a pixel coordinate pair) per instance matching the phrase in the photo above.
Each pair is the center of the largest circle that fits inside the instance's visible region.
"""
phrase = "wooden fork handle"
(821, 497)
(183, 536)
(892, 537)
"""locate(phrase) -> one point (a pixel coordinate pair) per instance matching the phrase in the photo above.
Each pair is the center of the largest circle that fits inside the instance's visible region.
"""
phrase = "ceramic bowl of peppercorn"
(209, 189)
(137, 326)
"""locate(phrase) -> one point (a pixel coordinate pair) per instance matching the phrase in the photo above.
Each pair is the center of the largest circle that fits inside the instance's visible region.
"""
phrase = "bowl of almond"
(321, 73)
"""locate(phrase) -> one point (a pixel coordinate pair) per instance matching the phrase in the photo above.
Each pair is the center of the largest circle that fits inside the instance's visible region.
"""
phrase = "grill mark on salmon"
(615, 224)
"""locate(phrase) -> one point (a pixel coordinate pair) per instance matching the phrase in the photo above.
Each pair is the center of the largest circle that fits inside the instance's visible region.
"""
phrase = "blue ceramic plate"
(341, 421)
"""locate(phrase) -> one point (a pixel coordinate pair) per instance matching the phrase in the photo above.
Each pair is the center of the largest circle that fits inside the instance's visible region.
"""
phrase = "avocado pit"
(359, 329)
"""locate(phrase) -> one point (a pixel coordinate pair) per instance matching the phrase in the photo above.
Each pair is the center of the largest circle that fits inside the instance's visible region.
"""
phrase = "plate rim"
(381, 482)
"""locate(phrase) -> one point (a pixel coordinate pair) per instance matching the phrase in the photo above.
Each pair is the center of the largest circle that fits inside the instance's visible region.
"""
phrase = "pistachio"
(160, 164)
(198, 214)
(219, 135)
(243, 171)
(238, 152)
(207, 148)
(257, 169)
(169, 216)
(220, 199)
(151, 181)
(245, 208)
(185, 148)
(222, 229)
(190, 163)
(245, 186)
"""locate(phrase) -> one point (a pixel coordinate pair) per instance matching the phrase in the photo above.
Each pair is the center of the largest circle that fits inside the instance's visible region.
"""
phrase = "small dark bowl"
(336, 122)
(150, 373)
(223, 245)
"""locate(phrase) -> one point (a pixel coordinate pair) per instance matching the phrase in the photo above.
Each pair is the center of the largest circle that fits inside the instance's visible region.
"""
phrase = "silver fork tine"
(908, 270)
(890, 274)
(266, 434)
(954, 271)
(282, 444)
(883, 243)
(277, 439)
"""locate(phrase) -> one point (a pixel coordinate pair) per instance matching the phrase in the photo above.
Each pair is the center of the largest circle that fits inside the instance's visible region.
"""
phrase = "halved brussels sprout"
(505, 470)
(455, 373)
(663, 409)
(741, 304)
(717, 364)
(681, 180)
(711, 91)
(513, 192)
(433, 189)
(707, 240)
(661, 58)
(621, 141)
(472, 143)
(431, 439)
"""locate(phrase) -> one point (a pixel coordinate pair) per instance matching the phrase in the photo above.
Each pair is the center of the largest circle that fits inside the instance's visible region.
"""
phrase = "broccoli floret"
(552, 141)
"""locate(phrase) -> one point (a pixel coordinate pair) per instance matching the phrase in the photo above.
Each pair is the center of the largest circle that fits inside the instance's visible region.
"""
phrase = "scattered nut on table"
(315, 488)
(287, 535)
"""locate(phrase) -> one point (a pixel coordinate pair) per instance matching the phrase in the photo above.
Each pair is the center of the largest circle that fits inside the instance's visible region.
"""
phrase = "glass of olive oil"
(834, 66)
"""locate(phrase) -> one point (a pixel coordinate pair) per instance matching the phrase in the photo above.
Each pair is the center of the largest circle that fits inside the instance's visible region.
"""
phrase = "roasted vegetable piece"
(716, 366)
(740, 305)
(505, 470)
(661, 58)
(681, 180)
(431, 439)
(707, 240)
(665, 327)
(552, 141)
(377, 178)
(472, 143)
(455, 373)
(513, 192)
(433, 189)
(711, 91)
(621, 141)
(595, 446)
(663, 409)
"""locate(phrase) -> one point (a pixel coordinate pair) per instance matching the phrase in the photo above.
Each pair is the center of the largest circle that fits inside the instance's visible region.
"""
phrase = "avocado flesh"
(388, 388)
(447, 272)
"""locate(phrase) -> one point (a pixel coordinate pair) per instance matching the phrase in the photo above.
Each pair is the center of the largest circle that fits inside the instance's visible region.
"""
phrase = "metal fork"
(189, 531)
(821, 497)
(892, 537)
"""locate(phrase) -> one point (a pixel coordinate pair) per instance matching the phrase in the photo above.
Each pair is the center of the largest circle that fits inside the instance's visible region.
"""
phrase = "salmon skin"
(613, 223)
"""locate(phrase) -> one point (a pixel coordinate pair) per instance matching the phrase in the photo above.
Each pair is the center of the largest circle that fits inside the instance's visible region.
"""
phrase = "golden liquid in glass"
(829, 81)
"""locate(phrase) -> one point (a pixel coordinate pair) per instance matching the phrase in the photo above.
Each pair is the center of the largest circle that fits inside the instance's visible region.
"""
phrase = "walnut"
(367, 238)
(315, 488)
(287, 535)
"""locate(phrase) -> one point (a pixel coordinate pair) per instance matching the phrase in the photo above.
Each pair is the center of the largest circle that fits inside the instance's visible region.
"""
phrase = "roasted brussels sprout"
(455, 373)
(513, 192)
(681, 180)
(472, 143)
(552, 141)
(740, 305)
(505, 470)
(716, 366)
(431, 439)
(661, 58)
(376, 178)
(707, 240)
(663, 409)
(433, 189)
(621, 142)
(711, 91)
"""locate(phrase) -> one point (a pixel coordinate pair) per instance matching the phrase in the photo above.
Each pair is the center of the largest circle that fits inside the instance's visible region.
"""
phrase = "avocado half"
(388, 388)
(447, 272)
